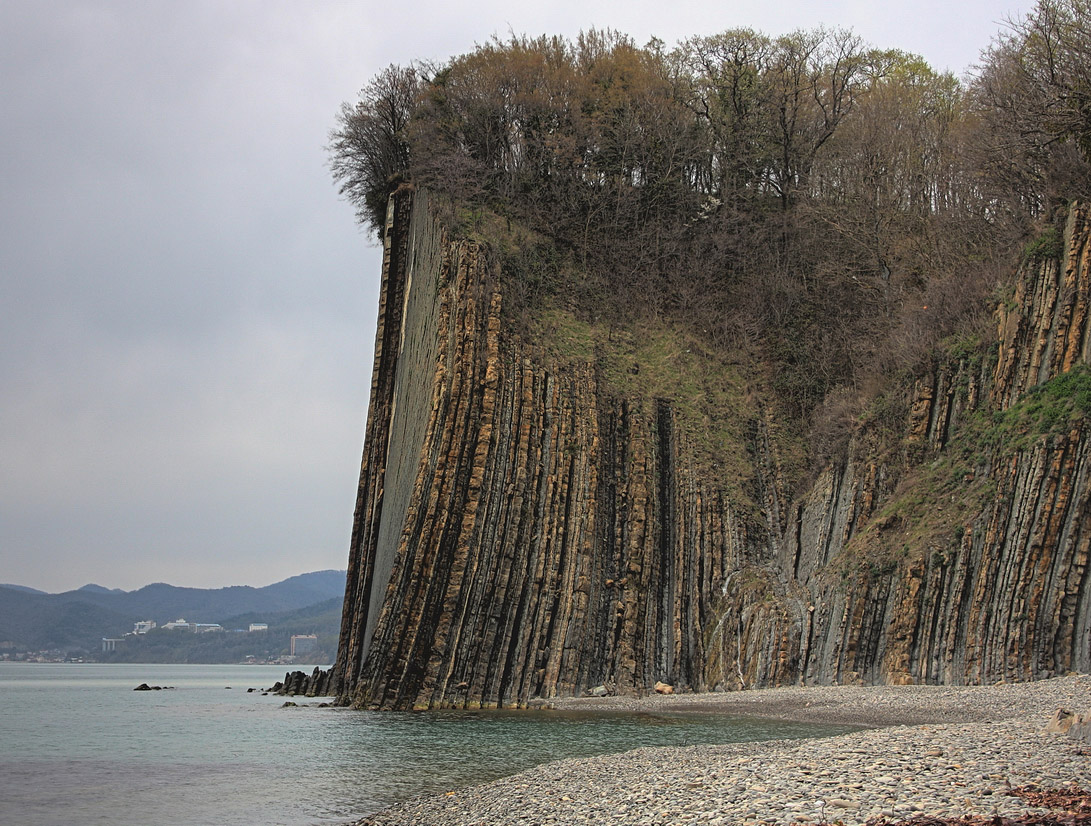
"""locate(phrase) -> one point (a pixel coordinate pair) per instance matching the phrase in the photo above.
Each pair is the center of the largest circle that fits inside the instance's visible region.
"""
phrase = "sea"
(79, 746)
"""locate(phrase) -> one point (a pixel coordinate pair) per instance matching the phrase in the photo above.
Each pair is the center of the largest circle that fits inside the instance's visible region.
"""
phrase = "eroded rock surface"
(522, 533)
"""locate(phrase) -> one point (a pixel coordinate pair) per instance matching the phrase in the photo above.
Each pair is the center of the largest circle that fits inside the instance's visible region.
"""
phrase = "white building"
(143, 627)
(304, 644)
(259, 626)
(178, 623)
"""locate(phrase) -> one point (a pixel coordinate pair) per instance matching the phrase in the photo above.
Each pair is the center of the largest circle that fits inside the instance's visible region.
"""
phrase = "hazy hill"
(92, 588)
(80, 618)
(23, 588)
(40, 621)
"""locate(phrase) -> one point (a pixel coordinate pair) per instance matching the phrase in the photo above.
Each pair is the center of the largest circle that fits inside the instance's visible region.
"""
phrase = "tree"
(728, 95)
(894, 165)
(814, 80)
(369, 151)
(1054, 60)
(1033, 93)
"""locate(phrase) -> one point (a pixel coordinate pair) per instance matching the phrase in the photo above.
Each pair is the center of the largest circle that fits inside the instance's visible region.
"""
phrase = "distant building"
(178, 624)
(205, 627)
(143, 627)
(304, 644)
(110, 644)
(259, 626)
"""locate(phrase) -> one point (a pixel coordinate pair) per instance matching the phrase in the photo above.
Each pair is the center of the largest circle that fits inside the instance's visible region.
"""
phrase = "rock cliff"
(524, 530)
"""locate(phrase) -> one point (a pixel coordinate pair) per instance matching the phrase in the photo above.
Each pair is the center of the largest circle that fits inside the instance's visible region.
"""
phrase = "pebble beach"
(937, 751)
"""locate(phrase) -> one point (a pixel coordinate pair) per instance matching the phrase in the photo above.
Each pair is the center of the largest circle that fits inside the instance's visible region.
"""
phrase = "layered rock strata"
(522, 533)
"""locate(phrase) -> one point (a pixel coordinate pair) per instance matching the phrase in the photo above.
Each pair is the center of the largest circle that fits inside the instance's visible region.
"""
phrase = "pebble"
(968, 746)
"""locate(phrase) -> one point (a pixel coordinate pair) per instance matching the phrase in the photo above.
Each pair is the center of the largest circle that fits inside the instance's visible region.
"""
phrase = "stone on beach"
(971, 746)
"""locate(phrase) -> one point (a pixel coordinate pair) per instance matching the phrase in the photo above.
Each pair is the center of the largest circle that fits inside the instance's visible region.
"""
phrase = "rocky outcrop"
(998, 592)
(942, 398)
(318, 683)
(1044, 328)
(517, 557)
(521, 532)
(1076, 726)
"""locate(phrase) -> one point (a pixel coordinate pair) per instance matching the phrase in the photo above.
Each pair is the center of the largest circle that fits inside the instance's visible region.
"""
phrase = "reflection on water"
(81, 746)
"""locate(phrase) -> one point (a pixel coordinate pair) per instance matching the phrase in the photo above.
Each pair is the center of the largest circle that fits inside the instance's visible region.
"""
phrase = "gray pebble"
(967, 745)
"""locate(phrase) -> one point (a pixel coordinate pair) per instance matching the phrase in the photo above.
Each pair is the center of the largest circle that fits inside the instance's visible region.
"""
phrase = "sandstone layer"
(522, 532)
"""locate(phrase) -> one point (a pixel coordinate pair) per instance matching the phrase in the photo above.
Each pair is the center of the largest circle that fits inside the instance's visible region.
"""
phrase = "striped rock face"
(521, 532)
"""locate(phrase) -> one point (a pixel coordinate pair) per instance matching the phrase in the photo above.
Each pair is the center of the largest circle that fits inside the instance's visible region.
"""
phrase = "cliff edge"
(523, 529)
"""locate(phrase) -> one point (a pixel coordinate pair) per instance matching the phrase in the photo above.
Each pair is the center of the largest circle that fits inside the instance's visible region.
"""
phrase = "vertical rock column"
(1046, 330)
(519, 535)
(413, 264)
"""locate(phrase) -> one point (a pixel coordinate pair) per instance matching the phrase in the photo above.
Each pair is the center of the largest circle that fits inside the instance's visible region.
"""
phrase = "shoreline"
(940, 751)
(871, 706)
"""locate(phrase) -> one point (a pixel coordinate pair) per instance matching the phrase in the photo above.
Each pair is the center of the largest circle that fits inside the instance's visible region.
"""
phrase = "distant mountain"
(98, 589)
(321, 618)
(22, 588)
(34, 620)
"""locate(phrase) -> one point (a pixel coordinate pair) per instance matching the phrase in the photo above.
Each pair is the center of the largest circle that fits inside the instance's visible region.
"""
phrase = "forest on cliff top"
(834, 214)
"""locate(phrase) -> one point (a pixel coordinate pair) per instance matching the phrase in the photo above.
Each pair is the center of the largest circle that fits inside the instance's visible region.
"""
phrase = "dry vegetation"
(823, 210)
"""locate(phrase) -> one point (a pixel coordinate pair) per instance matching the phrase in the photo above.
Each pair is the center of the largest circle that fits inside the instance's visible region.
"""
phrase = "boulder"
(1076, 726)
(664, 688)
(318, 683)
(1081, 728)
(1061, 721)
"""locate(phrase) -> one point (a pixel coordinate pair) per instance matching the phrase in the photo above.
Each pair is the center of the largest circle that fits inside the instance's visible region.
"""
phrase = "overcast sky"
(187, 309)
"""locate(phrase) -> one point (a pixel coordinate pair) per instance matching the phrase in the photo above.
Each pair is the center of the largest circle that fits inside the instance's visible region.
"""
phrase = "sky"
(187, 308)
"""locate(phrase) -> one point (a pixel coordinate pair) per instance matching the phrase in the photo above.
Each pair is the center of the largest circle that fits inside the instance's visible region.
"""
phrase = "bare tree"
(1033, 91)
(369, 149)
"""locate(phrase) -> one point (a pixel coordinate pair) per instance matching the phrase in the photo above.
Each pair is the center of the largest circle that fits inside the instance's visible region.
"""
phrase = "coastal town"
(301, 647)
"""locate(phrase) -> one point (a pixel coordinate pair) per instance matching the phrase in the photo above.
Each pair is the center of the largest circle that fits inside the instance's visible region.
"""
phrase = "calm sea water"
(78, 745)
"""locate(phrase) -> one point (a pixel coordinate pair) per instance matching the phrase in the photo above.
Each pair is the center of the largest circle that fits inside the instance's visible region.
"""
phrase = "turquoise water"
(78, 745)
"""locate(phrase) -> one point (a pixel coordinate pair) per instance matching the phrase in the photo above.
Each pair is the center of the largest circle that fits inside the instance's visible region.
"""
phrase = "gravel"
(942, 751)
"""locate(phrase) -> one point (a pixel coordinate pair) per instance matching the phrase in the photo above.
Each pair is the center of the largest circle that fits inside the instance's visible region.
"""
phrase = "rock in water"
(316, 684)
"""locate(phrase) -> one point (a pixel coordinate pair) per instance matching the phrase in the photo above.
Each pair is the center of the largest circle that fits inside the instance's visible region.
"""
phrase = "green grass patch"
(549, 305)
(1049, 245)
(1050, 409)
(663, 360)
(936, 502)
